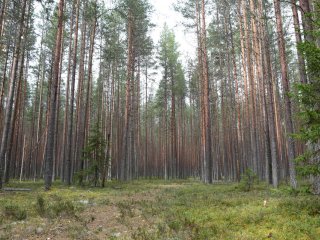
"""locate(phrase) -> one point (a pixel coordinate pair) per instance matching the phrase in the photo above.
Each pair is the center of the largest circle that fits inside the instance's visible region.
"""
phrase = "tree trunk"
(207, 151)
(53, 101)
(301, 61)
(2, 14)
(69, 155)
(128, 110)
(13, 80)
(286, 88)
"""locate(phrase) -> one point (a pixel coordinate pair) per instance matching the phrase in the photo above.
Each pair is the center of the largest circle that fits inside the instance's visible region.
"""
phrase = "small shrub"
(248, 179)
(304, 190)
(65, 207)
(254, 218)
(4, 236)
(15, 212)
(175, 225)
(143, 234)
(310, 206)
(56, 206)
(125, 209)
(205, 232)
(40, 205)
(105, 201)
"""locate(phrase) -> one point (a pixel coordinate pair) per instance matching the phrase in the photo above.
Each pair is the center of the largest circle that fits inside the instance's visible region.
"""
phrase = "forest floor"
(150, 210)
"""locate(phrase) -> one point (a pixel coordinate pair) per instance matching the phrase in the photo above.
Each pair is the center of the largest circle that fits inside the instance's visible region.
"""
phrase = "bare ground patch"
(120, 217)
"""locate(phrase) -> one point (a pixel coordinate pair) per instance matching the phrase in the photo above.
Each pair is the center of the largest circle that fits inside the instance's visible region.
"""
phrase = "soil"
(118, 218)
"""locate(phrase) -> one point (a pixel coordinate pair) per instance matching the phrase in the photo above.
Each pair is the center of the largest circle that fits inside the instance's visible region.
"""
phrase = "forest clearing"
(157, 209)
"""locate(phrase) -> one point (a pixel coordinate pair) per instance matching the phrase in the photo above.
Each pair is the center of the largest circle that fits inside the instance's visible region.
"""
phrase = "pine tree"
(308, 98)
(48, 172)
(93, 153)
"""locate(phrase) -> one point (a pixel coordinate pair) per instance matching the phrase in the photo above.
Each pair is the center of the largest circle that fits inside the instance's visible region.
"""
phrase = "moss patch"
(156, 209)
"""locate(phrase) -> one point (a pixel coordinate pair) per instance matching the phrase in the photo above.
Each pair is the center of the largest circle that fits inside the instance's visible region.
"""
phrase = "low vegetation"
(156, 209)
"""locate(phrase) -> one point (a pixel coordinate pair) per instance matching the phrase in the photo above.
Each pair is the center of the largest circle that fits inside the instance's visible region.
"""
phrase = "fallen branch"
(17, 189)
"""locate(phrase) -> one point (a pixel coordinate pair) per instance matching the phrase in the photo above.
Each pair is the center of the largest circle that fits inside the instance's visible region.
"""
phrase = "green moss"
(179, 210)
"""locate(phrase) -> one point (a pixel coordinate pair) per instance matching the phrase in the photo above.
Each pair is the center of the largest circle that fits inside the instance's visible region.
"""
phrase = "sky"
(164, 13)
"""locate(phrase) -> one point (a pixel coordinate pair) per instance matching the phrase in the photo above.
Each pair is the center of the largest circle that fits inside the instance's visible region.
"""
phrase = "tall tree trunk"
(238, 104)
(207, 145)
(3, 83)
(69, 155)
(128, 110)
(301, 61)
(65, 146)
(2, 16)
(146, 125)
(13, 80)
(53, 101)
(174, 157)
(79, 138)
(306, 19)
(270, 124)
(89, 83)
(286, 88)
(14, 122)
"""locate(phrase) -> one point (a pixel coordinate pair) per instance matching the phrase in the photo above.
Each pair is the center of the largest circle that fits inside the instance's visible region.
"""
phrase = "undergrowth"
(178, 210)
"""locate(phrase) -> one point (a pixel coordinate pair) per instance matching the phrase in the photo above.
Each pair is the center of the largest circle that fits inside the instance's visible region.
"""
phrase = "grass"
(156, 209)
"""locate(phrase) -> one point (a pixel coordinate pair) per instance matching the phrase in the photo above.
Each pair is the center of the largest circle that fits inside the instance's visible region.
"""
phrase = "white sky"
(164, 13)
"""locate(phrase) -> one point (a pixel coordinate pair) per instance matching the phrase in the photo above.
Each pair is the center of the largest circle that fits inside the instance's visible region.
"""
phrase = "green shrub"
(55, 207)
(143, 234)
(15, 212)
(40, 205)
(175, 225)
(310, 206)
(248, 179)
(125, 209)
(64, 207)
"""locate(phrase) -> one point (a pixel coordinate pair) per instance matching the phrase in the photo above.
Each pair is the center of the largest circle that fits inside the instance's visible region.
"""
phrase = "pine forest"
(188, 100)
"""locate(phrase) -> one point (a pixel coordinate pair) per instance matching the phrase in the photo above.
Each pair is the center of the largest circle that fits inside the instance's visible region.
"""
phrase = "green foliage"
(171, 210)
(306, 167)
(125, 209)
(55, 206)
(40, 205)
(308, 97)
(94, 153)
(63, 207)
(307, 205)
(248, 179)
(302, 190)
(196, 211)
(173, 79)
(15, 212)
(143, 234)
